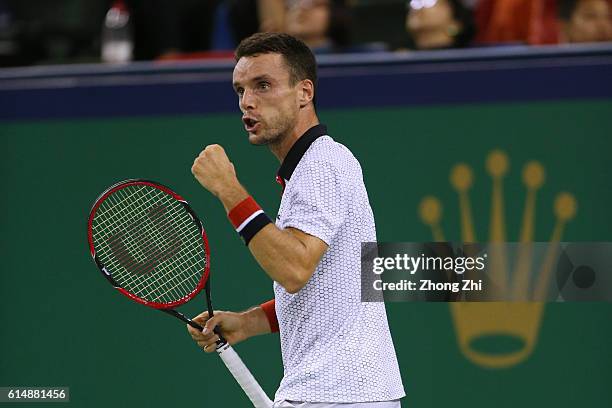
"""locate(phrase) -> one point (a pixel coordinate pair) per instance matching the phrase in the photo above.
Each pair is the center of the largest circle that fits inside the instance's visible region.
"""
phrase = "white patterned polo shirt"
(334, 347)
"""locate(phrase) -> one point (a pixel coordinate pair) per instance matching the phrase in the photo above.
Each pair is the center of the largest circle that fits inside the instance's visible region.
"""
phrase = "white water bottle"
(117, 43)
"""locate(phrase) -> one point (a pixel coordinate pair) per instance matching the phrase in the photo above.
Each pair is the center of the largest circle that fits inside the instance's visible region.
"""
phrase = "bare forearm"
(281, 253)
(231, 195)
(283, 256)
(256, 322)
(235, 327)
(288, 256)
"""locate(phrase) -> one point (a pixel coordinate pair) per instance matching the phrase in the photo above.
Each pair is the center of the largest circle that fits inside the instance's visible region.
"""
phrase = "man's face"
(267, 99)
(591, 21)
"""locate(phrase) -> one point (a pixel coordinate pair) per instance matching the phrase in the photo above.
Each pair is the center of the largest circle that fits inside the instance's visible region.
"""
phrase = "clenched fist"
(213, 169)
(216, 173)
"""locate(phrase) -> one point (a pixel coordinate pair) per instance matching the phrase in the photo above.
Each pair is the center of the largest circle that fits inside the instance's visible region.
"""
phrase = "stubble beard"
(275, 134)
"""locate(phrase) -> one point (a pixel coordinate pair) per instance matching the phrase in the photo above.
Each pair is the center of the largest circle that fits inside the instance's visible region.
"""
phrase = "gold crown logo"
(519, 320)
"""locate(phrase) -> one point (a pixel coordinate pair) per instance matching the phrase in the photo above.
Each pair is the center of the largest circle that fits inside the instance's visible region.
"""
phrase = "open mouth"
(250, 124)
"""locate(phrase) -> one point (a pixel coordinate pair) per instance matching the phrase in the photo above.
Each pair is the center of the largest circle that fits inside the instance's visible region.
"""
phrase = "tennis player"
(337, 351)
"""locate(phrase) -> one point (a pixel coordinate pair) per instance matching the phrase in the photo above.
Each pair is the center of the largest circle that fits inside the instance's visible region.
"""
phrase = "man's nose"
(247, 101)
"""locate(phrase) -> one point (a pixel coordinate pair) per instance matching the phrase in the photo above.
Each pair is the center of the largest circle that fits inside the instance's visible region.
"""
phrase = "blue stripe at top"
(511, 74)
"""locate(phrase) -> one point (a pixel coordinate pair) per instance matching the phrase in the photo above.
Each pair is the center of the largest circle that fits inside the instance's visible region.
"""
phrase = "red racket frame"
(134, 182)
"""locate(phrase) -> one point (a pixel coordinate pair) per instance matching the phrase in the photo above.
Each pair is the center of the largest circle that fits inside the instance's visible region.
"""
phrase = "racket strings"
(165, 290)
(139, 284)
(149, 243)
(130, 230)
(144, 284)
(145, 248)
(193, 253)
(153, 253)
(120, 205)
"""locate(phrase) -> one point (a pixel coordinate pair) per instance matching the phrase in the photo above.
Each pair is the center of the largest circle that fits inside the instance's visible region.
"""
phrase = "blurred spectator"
(435, 24)
(516, 21)
(243, 18)
(247, 17)
(9, 45)
(163, 27)
(49, 32)
(321, 24)
(326, 25)
(585, 21)
(272, 14)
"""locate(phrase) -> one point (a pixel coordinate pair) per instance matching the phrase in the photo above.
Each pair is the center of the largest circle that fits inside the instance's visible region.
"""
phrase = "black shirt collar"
(298, 149)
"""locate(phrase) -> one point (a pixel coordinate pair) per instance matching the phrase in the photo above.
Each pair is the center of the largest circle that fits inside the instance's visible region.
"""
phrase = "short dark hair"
(299, 58)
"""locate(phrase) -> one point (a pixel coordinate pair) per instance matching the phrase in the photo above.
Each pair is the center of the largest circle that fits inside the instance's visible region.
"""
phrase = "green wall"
(62, 324)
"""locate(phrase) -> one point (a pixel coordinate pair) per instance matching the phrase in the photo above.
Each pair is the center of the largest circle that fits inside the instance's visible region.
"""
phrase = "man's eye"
(264, 85)
(239, 91)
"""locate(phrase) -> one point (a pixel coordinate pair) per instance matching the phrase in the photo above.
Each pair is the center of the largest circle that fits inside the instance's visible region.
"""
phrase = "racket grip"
(243, 376)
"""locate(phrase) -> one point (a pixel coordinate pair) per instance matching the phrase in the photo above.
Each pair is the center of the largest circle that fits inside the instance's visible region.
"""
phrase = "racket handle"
(243, 376)
(195, 325)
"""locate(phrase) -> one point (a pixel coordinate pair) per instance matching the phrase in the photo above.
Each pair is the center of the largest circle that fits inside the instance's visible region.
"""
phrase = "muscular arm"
(288, 256)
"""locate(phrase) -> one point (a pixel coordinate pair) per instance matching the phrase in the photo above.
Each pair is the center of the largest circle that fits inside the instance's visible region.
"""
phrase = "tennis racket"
(151, 246)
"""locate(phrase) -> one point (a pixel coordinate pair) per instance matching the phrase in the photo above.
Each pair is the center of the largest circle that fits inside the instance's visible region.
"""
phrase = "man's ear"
(306, 92)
